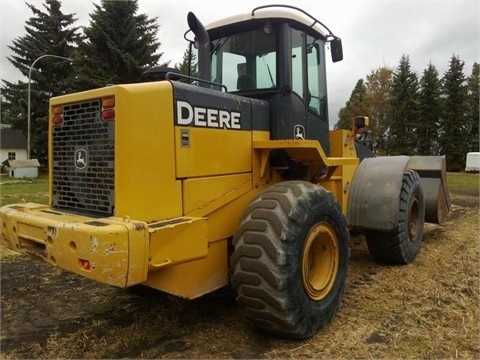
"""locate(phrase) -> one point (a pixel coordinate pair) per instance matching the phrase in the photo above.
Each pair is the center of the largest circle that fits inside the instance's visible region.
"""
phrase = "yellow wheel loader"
(228, 175)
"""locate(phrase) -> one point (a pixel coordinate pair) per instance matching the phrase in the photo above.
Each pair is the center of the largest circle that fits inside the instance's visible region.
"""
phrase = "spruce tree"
(404, 110)
(118, 46)
(453, 123)
(473, 103)
(49, 32)
(355, 106)
(188, 66)
(429, 99)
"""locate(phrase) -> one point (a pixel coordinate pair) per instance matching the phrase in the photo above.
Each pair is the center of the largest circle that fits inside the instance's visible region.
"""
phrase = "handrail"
(315, 20)
(170, 74)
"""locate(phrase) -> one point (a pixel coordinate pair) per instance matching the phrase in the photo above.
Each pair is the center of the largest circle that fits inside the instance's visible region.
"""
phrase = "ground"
(428, 309)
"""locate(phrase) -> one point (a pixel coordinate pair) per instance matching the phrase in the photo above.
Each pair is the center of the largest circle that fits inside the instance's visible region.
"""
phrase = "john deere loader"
(228, 175)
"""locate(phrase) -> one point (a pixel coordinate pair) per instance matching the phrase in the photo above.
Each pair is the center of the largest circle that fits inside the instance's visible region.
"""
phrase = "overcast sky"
(374, 33)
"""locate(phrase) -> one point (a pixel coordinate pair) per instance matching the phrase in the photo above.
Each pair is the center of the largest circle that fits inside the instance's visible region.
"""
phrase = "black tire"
(402, 245)
(291, 258)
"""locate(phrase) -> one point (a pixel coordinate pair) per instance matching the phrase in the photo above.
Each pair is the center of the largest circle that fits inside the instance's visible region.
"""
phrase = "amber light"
(57, 118)
(108, 103)
(108, 109)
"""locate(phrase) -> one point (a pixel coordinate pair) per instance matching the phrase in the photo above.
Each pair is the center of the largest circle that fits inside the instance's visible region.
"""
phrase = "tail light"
(108, 109)
(57, 118)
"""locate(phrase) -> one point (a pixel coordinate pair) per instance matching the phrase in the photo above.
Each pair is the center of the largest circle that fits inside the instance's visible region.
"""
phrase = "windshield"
(245, 61)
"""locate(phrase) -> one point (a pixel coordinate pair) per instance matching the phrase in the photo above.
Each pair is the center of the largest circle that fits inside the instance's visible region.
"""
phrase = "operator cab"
(275, 53)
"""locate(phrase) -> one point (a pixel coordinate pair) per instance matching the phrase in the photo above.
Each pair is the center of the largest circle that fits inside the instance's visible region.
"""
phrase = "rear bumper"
(112, 250)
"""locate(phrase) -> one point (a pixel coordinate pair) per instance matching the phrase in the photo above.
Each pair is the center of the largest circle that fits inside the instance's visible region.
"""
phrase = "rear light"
(84, 264)
(57, 118)
(108, 103)
(108, 115)
(108, 109)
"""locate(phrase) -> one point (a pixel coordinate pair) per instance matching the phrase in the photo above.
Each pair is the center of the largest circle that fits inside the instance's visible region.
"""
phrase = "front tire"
(290, 260)
(402, 245)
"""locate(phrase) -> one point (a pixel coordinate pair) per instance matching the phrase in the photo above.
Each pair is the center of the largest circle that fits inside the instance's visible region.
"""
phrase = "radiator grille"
(83, 160)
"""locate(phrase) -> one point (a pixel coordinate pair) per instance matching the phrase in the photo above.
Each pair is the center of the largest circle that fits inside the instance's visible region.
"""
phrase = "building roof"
(15, 164)
(12, 139)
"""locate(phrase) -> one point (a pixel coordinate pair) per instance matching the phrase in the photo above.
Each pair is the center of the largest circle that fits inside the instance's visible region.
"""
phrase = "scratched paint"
(94, 241)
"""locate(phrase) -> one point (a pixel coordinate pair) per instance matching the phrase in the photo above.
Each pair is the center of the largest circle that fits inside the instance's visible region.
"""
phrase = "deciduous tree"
(379, 84)
(370, 98)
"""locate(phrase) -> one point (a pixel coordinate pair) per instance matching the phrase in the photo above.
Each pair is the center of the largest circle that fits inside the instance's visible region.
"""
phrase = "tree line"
(408, 115)
(430, 115)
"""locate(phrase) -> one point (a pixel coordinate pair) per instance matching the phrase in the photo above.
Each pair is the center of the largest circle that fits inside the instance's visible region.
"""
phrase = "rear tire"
(402, 245)
(290, 259)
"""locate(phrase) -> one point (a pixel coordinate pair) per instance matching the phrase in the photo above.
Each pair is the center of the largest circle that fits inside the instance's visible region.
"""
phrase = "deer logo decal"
(81, 159)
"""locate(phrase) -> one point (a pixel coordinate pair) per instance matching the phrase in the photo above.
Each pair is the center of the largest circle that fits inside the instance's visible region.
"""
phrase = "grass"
(428, 309)
(30, 190)
(36, 190)
(463, 181)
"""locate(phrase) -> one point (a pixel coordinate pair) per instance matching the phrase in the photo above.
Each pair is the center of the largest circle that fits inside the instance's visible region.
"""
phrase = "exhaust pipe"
(201, 35)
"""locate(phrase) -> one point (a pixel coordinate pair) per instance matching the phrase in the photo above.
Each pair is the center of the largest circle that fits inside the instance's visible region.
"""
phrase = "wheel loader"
(229, 175)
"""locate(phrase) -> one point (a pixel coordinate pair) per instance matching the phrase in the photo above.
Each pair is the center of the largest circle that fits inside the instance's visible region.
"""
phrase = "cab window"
(245, 61)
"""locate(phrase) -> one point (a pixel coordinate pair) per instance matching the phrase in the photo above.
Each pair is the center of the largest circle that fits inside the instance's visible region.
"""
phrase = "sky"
(374, 33)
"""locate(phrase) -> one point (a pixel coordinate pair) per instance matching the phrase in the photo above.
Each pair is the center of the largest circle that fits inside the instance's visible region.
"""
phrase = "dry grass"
(428, 309)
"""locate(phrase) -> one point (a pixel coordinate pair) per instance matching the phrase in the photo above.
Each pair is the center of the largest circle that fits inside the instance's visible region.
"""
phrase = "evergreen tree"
(429, 112)
(404, 110)
(473, 115)
(118, 46)
(355, 106)
(453, 124)
(48, 33)
(187, 66)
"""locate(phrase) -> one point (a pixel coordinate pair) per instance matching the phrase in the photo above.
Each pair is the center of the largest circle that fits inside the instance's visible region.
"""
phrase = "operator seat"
(245, 82)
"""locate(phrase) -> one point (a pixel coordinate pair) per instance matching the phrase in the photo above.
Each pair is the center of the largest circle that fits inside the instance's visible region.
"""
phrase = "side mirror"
(336, 49)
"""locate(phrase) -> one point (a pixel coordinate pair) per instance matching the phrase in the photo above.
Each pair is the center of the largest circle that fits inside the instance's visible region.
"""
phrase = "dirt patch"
(429, 309)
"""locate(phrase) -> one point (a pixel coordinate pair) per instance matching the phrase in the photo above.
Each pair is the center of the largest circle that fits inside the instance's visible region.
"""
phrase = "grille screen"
(83, 160)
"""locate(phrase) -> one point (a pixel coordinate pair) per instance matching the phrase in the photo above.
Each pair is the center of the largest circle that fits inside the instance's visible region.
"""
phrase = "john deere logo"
(81, 159)
(299, 132)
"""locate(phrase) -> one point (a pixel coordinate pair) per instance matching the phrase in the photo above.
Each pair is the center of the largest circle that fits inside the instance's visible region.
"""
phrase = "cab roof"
(286, 12)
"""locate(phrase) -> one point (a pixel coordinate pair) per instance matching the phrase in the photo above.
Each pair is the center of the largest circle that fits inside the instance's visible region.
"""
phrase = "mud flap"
(432, 171)
(374, 196)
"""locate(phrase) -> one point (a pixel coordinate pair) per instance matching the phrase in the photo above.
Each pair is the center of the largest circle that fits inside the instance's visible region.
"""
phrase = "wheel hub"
(320, 261)
(414, 219)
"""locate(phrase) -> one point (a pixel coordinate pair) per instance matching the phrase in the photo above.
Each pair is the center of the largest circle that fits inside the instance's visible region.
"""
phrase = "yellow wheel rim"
(320, 261)
(414, 219)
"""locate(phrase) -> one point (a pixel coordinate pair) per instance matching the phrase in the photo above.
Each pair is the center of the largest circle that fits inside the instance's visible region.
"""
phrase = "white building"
(13, 154)
(20, 169)
(13, 145)
(473, 162)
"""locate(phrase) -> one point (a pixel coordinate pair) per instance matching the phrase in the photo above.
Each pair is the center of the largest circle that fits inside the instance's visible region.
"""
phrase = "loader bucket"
(433, 173)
